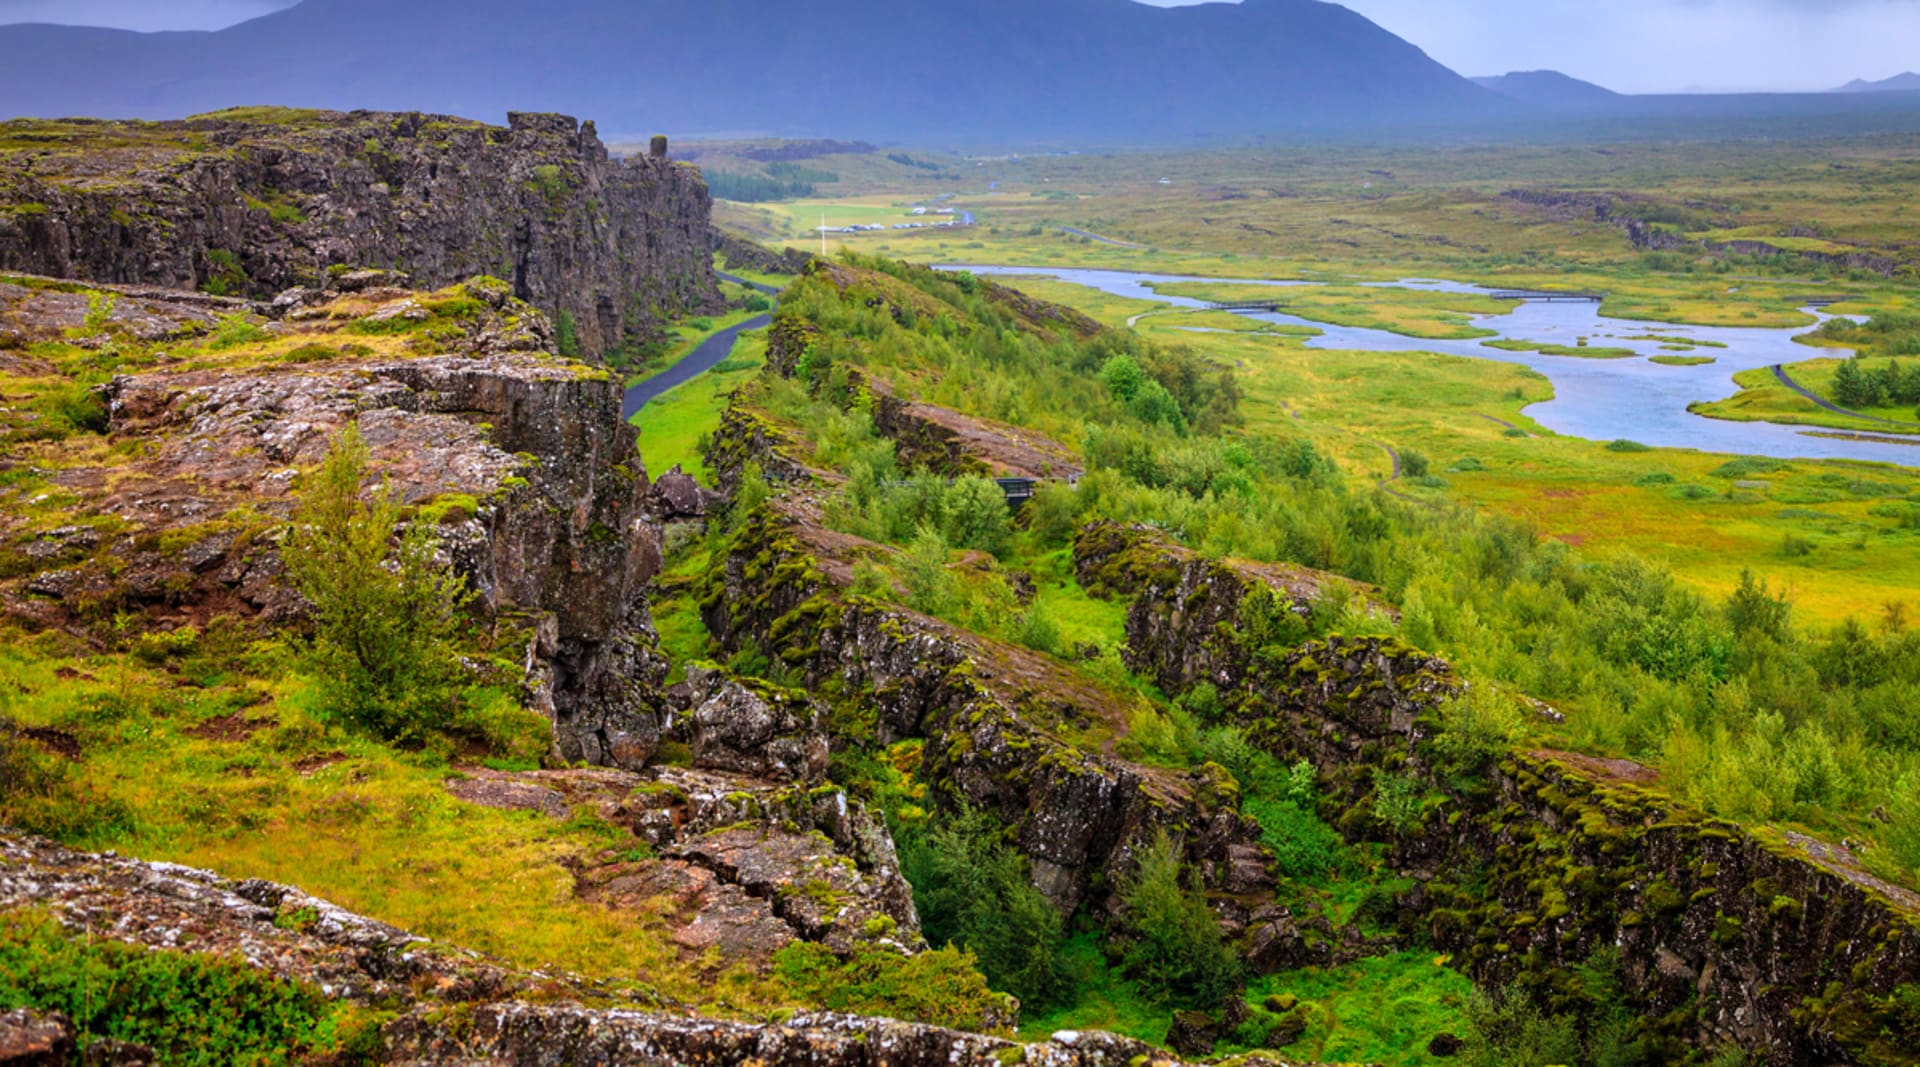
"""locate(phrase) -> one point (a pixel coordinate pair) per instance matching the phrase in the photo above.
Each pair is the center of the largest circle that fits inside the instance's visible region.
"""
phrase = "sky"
(1629, 45)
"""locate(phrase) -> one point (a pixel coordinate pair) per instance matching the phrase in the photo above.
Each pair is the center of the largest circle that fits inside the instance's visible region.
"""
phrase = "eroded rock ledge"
(457, 1007)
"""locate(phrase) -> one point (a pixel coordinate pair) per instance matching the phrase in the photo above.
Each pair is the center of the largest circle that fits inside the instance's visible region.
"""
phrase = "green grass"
(1384, 1009)
(673, 426)
(1762, 397)
(1581, 351)
(1681, 361)
(1409, 312)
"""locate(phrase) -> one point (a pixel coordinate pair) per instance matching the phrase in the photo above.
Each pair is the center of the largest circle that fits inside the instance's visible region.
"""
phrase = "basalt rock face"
(741, 254)
(985, 710)
(256, 203)
(1726, 937)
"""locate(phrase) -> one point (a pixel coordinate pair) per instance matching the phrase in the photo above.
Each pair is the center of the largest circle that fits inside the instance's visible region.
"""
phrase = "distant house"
(919, 211)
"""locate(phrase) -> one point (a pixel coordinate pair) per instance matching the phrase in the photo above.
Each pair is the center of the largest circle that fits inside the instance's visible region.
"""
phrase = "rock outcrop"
(990, 713)
(454, 1006)
(256, 201)
(517, 454)
(1726, 936)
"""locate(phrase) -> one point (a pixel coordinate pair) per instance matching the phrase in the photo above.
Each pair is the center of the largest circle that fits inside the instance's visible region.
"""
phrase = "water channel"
(1599, 399)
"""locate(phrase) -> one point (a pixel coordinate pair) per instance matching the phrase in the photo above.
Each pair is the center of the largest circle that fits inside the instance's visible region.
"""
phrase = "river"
(1599, 399)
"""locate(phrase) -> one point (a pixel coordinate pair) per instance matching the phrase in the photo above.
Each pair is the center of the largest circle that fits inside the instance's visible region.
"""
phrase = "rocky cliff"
(252, 202)
(517, 454)
(1756, 939)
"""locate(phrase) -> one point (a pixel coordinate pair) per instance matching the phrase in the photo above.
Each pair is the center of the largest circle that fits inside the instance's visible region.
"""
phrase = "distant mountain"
(921, 70)
(1899, 83)
(1551, 90)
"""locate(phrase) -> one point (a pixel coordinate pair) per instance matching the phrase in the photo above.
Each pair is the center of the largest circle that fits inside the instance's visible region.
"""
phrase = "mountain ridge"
(1105, 69)
(1904, 82)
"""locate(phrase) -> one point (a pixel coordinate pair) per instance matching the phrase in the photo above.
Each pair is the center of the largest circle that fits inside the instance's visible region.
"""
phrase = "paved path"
(737, 280)
(1503, 422)
(1097, 237)
(698, 362)
(1780, 372)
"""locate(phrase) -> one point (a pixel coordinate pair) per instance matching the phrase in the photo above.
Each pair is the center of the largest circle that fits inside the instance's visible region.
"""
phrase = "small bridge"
(1018, 491)
(1547, 296)
(1248, 305)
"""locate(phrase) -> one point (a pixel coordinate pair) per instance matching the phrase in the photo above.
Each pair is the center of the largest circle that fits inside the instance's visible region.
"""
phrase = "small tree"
(1853, 387)
(1177, 954)
(977, 516)
(385, 609)
(1123, 377)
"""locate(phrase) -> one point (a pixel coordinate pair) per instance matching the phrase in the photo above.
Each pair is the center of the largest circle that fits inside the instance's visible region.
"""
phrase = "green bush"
(385, 609)
(940, 987)
(1478, 727)
(974, 890)
(191, 1010)
(1174, 948)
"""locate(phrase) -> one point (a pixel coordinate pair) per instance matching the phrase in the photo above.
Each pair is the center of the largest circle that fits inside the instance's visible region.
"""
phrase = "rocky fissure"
(1728, 936)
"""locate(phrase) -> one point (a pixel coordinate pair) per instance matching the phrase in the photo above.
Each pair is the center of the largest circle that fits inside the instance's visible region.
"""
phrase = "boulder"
(756, 729)
(31, 1038)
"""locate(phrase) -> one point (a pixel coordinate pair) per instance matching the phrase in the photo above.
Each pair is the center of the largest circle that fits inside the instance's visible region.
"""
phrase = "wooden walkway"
(1547, 296)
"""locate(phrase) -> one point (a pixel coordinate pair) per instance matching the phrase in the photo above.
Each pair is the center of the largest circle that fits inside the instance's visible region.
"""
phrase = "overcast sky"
(1630, 45)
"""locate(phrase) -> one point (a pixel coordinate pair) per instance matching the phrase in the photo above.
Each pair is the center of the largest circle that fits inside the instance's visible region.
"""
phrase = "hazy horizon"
(1633, 46)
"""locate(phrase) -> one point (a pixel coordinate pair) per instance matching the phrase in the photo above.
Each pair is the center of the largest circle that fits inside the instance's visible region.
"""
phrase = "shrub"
(941, 987)
(1477, 728)
(975, 891)
(190, 1009)
(1039, 631)
(1413, 464)
(977, 516)
(1396, 801)
(931, 587)
(1124, 378)
(566, 335)
(1176, 952)
(385, 610)
(1624, 445)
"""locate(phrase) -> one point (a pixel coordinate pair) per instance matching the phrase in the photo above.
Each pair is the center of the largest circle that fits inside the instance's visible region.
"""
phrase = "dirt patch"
(1609, 770)
(307, 766)
(59, 742)
(1571, 540)
(1841, 861)
(233, 728)
(1559, 494)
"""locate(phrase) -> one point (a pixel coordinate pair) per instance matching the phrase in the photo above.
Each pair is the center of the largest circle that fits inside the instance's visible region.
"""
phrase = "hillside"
(1899, 83)
(1109, 69)
(1552, 91)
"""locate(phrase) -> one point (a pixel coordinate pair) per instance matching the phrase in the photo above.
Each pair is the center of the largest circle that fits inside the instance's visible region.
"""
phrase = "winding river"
(1599, 399)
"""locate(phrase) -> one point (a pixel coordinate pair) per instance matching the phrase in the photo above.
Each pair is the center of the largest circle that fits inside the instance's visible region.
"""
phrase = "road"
(1100, 239)
(1780, 372)
(737, 280)
(702, 359)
